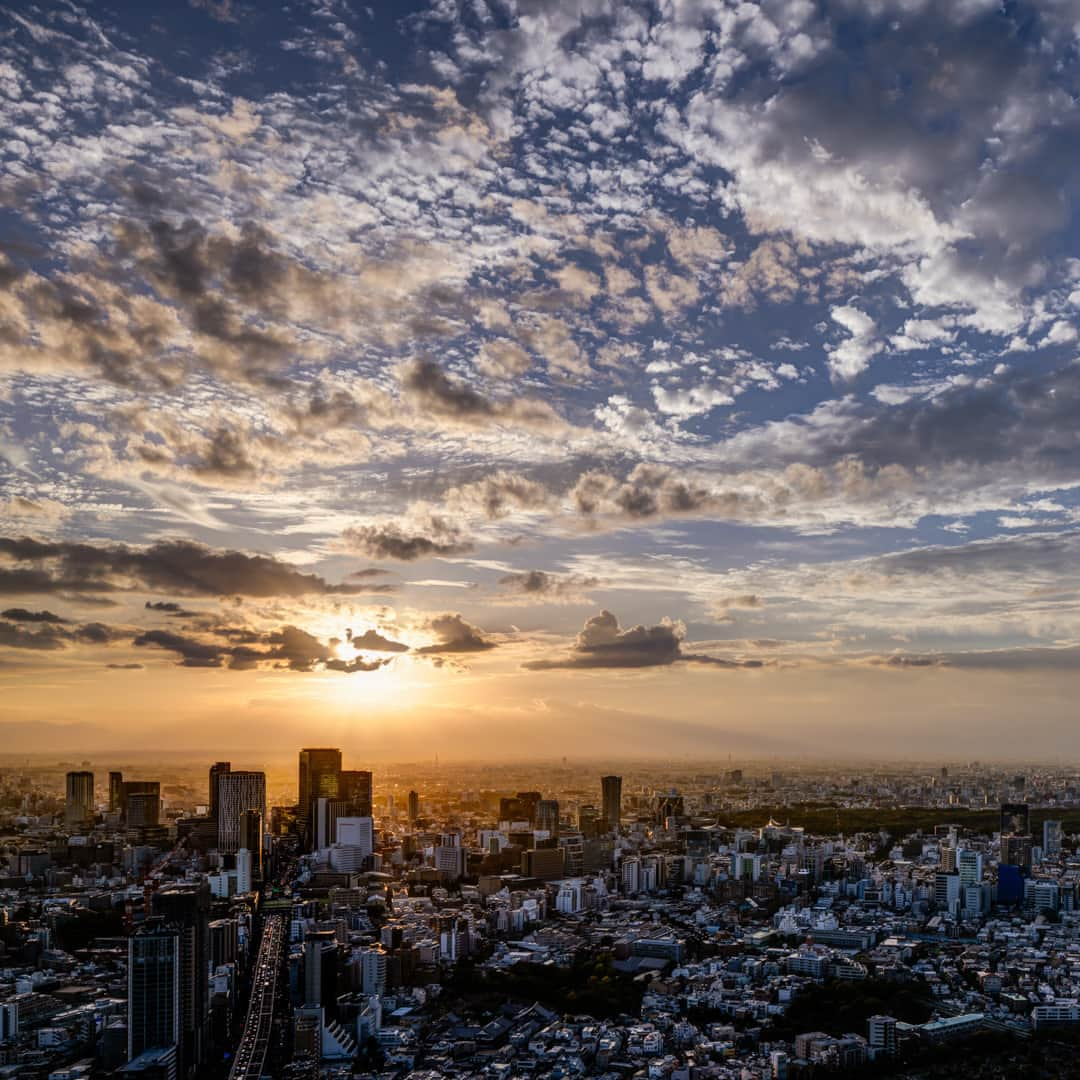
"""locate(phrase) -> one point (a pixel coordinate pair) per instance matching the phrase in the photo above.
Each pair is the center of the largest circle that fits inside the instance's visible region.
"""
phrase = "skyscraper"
(611, 794)
(320, 968)
(79, 799)
(547, 815)
(153, 990)
(414, 806)
(185, 909)
(216, 770)
(251, 839)
(143, 809)
(1051, 839)
(116, 792)
(148, 811)
(318, 778)
(355, 789)
(237, 792)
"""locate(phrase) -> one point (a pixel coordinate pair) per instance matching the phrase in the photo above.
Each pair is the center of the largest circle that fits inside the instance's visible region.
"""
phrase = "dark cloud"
(540, 585)
(603, 644)
(433, 393)
(455, 636)
(244, 649)
(125, 667)
(18, 614)
(192, 652)
(373, 641)
(436, 536)
(177, 566)
(50, 635)
(169, 607)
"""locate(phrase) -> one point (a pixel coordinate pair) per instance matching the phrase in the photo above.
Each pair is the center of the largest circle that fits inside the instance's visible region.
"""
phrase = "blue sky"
(751, 325)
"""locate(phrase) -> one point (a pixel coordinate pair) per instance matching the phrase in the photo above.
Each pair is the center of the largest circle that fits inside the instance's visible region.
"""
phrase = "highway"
(251, 1054)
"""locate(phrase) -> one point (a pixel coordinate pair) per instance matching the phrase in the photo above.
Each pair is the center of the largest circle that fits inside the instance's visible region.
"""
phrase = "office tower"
(970, 866)
(1015, 819)
(318, 777)
(237, 792)
(251, 837)
(320, 969)
(947, 891)
(588, 821)
(116, 792)
(414, 806)
(520, 807)
(356, 832)
(611, 795)
(324, 818)
(355, 789)
(153, 990)
(949, 859)
(373, 970)
(547, 815)
(79, 800)
(145, 813)
(216, 770)
(244, 881)
(669, 805)
(1051, 844)
(185, 909)
(224, 942)
(1016, 851)
(143, 808)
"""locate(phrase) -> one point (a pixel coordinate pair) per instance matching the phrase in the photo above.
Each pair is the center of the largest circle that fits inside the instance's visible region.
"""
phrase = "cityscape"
(539, 539)
(732, 920)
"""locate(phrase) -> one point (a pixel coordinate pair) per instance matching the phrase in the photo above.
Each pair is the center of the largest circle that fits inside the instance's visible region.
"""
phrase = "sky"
(511, 378)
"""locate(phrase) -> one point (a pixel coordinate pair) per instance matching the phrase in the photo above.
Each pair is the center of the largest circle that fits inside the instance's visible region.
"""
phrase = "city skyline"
(477, 379)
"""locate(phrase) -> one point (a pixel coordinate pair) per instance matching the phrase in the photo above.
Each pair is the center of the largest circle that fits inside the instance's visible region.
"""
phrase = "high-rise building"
(244, 879)
(970, 866)
(142, 809)
(116, 792)
(251, 838)
(611, 796)
(79, 800)
(1051, 844)
(355, 789)
(148, 811)
(1015, 819)
(216, 770)
(320, 968)
(1016, 851)
(588, 821)
(356, 832)
(185, 909)
(414, 806)
(373, 970)
(318, 778)
(237, 792)
(547, 815)
(153, 990)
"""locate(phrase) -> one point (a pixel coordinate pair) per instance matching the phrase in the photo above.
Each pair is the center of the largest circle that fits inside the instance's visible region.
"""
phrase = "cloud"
(168, 607)
(48, 634)
(541, 586)
(290, 647)
(853, 355)
(434, 393)
(373, 641)
(603, 644)
(455, 635)
(179, 566)
(432, 536)
(18, 614)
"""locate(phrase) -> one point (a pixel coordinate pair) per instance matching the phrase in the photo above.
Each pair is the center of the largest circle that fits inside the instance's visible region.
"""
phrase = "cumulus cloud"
(431, 536)
(603, 644)
(455, 635)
